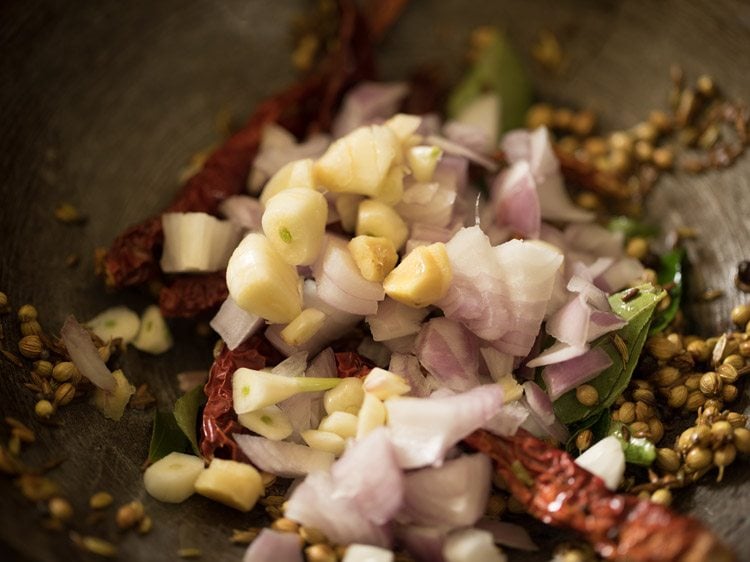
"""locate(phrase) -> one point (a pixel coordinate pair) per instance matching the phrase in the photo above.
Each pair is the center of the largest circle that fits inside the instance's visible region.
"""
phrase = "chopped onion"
(469, 545)
(460, 150)
(378, 493)
(498, 364)
(454, 495)
(366, 103)
(407, 366)
(323, 365)
(605, 459)
(197, 242)
(242, 210)
(508, 419)
(274, 546)
(429, 203)
(508, 534)
(450, 353)
(603, 323)
(470, 136)
(288, 460)
(619, 275)
(540, 408)
(314, 503)
(292, 366)
(273, 155)
(557, 353)
(594, 240)
(85, 356)
(423, 429)
(482, 113)
(235, 324)
(394, 320)
(570, 324)
(561, 377)
(452, 172)
(331, 293)
(516, 200)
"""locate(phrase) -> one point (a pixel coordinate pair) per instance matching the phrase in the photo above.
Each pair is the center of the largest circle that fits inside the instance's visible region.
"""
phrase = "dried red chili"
(352, 364)
(557, 491)
(188, 296)
(219, 419)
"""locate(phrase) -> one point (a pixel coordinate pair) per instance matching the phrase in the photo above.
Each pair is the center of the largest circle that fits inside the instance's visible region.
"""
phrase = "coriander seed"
(711, 384)
(100, 500)
(64, 371)
(60, 508)
(698, 458)
(741, 314)
(587, 395)
(637, 247)
(584, 439)
(44, 409)
(320, 553)
(678, 395)
(662, 496)
(27, 313)
(730, 393)
(43, 368)
(285, 525)
(311, 535)
(64, 394)
(31, 328)
(30, 346)
(626, 413)
(667, 459)
(741, 439)
(129, 514)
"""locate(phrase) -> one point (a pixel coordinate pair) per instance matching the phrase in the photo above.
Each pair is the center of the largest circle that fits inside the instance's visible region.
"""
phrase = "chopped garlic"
(372, 414)
(375, 218)
(297, 174)
(375, 256)
(112, 404)
(422, 278)
(262, 283)
(385, 384)
(232, 483)
(304, 327)
(342, 424)
(346, 397)
(154, 336)
(270, 422)
(324, 441)
(294, 222)
(423, 160)
(172, 478)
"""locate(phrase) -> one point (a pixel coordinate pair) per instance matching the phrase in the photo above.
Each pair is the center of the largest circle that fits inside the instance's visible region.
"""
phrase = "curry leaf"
(166, 437)
(186, 411)
(669, 275)
(611, 382)
(638, 450)
(598, 425)
(499, 70)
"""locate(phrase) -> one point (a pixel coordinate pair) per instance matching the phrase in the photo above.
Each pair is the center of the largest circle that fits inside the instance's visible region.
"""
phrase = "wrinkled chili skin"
(219, 419)
(352, 364)
(188, 296)
(620, 527)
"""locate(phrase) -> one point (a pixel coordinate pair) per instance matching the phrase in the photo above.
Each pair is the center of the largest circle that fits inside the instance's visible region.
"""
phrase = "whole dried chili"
(188, 296)
(307, 105)
(554, 489)
(219, 419)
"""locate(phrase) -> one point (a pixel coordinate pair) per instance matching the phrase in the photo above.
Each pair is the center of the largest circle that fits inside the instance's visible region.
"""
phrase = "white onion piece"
(452, 172)
(605, 459)
(274, 546)
(235, 324)
(394, 320)
(450, 353)
(557, 353)
(570, 324)
(188, 380)
(404, 344)
(470, 136)
(623, 272)
(540, 408)
(407, 366)
(483, 113)
(274, 156)
(299, 410)
(460, 150)
(85, 356)
(423, 543)
(337, 262)
(423, 429)
(330, 292)
(515, 145)
(428, 203)
(292, 366)
(561, 377)
(508, 419)
(287, 460)
(469, 545)
(366, 103)
(603, 323)
(197, 242)
(516, 200)
(314, 503)
(430, 233)
(454, 495)
(508, 534)
(378, 493)
(594, 240)
(242, 210)
(323, 365)
(590, 292)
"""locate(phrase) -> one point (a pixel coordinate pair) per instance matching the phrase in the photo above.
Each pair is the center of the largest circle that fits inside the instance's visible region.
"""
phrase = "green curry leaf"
(166, 437)
(497, 69)
(614, 380)
(638, 450)
(186, 411)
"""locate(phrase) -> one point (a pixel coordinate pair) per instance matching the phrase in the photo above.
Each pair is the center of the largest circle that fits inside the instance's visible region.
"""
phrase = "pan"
(102, 104)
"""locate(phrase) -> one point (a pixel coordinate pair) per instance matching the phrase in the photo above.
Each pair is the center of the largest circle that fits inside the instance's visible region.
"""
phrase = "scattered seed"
(146, 524)
(44, 408)
(584, 439)
(320, 553)
(68, 214)
(31, 346)
(587, 395)
(142, 398)
(710, 295)
(37, 488)
(95, 545)
(72, 260)
(622, 347)
(64, 394)
(27, 313)
(3, 302)
(667, 459)
(190, 552)
(64, 371)
(12, 357)
(245, 536)
(31, 328)
(60, 508)
(24, 434)
(129, 514)
(100, 500)
(285, 525)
